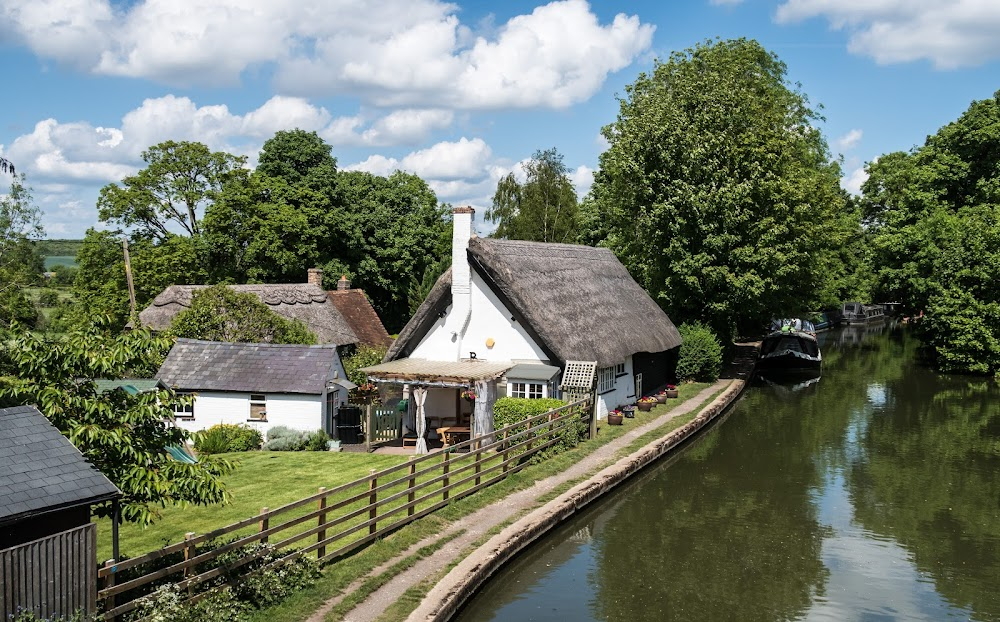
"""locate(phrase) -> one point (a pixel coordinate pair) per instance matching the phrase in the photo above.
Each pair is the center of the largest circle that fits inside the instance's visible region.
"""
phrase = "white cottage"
(509, 314)
(260, 385)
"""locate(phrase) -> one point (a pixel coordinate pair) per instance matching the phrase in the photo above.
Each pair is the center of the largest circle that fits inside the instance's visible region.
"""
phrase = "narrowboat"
(852, 313)
(791, 350)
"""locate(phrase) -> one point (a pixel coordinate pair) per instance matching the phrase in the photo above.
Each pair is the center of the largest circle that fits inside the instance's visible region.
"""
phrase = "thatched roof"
(299, 301)
(360, 315)
(578, 302)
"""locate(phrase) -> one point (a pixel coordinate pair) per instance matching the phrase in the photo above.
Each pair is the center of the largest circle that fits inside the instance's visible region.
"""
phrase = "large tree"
(935, 229)
(125, 436)
(219, 313)
(169, 194)
(20, 262)
(543, 208)
(719, 193)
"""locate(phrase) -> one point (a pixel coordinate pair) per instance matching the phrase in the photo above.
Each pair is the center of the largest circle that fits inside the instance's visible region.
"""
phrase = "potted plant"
(615, 417)
(661, 397)
(469, 395)
(645, 404)
(628, 411)
(671, 391)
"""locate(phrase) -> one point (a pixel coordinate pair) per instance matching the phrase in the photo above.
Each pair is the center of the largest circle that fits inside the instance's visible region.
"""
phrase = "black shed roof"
(40, 470)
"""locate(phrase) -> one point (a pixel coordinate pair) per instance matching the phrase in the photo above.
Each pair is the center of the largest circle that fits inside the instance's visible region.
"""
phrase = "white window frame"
(258, 399)
(184, 411)
(620, 369)
(605, 380)
(527, 389)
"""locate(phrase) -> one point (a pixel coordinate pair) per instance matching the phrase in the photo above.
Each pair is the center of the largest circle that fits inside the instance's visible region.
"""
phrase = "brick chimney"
(344, 283)
(315, 277)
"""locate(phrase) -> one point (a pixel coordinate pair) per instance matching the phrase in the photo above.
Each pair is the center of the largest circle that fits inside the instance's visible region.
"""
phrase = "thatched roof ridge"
(579, 301)
(437, 302)
(305, 302)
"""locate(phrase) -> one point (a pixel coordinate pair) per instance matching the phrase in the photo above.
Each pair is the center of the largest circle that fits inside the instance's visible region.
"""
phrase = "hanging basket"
(469, 395)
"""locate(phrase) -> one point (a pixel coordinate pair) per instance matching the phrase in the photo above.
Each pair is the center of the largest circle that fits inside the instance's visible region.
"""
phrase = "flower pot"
(629, 412)
(615, 419)
(661, 398)
(671, 393)
(645, 406)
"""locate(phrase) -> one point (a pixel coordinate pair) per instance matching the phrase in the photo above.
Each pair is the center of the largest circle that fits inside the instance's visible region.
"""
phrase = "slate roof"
(305, 302)
(40, 470)
(361, 316)
(194, 365)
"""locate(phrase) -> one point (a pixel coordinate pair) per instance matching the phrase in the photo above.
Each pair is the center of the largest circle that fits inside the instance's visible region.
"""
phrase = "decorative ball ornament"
(489, 342)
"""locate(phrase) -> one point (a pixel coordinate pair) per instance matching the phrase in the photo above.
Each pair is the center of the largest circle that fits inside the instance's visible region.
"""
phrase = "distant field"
(59, 260)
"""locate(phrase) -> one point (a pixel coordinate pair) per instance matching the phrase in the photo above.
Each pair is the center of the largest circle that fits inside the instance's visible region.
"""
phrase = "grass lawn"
(262, 479)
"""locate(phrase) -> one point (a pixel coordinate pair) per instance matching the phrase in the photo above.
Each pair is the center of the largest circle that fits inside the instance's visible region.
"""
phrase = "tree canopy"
(20, 262)
(124, 436)
(933, 218)
(719, 194)
(180, 178)
(543, 208)
(219, 313)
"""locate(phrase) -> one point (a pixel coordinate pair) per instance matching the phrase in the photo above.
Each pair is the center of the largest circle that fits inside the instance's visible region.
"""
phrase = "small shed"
(48, 552)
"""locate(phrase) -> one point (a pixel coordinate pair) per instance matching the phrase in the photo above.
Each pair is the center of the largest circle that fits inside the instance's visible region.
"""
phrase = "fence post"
(321, 535)
(593, 419)
(479, 456)
(410, 498)
(372, 500)
(109, 582)
(369, 428)
(264, 522)
(506, 446)
(445, 463)
(190, 551)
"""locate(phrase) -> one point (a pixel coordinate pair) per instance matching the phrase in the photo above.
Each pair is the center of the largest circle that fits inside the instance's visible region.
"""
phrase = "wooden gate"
(382, 425)
(53, 576)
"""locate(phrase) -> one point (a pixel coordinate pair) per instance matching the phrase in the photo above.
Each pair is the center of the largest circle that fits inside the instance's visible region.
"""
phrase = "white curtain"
(482, 414)
(420, 396)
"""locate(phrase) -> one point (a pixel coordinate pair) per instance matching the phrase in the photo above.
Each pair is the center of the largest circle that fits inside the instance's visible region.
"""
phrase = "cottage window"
(530, 390)
(605, 379)
(620, 369)
(258, 407)
(185, 409)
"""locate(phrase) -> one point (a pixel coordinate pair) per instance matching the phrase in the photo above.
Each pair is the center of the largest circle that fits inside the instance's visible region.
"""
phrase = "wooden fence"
(335, 522)
(52, 576)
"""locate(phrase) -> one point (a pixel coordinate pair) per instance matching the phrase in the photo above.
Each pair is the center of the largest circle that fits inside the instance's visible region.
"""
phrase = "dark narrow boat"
(852, 313)
(792, 349)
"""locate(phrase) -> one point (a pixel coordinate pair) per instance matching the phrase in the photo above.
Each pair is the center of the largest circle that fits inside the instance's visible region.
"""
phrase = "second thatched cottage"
(507, 317)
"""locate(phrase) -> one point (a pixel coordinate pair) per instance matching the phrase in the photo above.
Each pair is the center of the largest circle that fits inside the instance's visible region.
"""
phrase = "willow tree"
(718, 192)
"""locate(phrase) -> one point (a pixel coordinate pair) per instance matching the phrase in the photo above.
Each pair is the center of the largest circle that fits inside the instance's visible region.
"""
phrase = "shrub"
(27, 615)
(512, 410)
(283, 438)
(225, 437)
(48, 298)
(167, 604)
(700, 356)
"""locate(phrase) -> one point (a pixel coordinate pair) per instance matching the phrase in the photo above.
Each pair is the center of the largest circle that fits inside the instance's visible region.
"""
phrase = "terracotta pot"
(661, 398)
(615, 419)
(645, 406)
(671, 392)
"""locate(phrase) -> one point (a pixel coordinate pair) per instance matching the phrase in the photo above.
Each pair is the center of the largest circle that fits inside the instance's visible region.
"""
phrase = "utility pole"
(131, 287)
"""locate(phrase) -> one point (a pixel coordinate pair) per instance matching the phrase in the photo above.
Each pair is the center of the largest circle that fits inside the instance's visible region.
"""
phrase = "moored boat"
(857, 313)
(791, 350)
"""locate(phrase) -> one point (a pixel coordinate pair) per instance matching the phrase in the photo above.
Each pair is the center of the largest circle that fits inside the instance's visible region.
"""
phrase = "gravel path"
(470, 529)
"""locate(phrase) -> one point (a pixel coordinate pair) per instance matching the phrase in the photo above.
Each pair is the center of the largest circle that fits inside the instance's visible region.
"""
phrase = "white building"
(509, 314)
(258, 385)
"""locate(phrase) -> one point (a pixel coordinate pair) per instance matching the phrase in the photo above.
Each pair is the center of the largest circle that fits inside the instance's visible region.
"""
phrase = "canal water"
(871, 494)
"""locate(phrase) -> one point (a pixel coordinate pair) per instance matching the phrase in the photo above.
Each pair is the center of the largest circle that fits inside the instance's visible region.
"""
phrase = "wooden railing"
(335, 522)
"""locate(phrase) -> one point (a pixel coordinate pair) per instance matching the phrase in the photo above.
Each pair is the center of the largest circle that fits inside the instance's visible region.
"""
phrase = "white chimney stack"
(461, 276)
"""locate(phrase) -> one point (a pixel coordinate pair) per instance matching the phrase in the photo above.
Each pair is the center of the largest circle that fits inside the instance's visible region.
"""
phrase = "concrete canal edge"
(451, 592)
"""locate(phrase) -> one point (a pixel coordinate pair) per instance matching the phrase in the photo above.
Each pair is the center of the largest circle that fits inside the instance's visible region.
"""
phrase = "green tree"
(125, 436)
(180, 178)
(20, 263)
(219, 313)
(935, 236)
(543, 208)
(718, 193)
(297, 155)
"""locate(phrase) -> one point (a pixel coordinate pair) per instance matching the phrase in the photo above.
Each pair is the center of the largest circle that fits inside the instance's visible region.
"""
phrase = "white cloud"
(849, 140)
(413, 53)
(583, 179)
(450, 160)
(948, 33)
(853, 182)
(399, 127)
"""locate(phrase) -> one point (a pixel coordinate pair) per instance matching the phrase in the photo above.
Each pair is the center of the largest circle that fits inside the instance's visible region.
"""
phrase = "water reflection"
(867, 495)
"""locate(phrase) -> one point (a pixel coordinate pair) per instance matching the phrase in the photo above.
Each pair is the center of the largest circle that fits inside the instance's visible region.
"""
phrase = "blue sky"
(456, 93)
